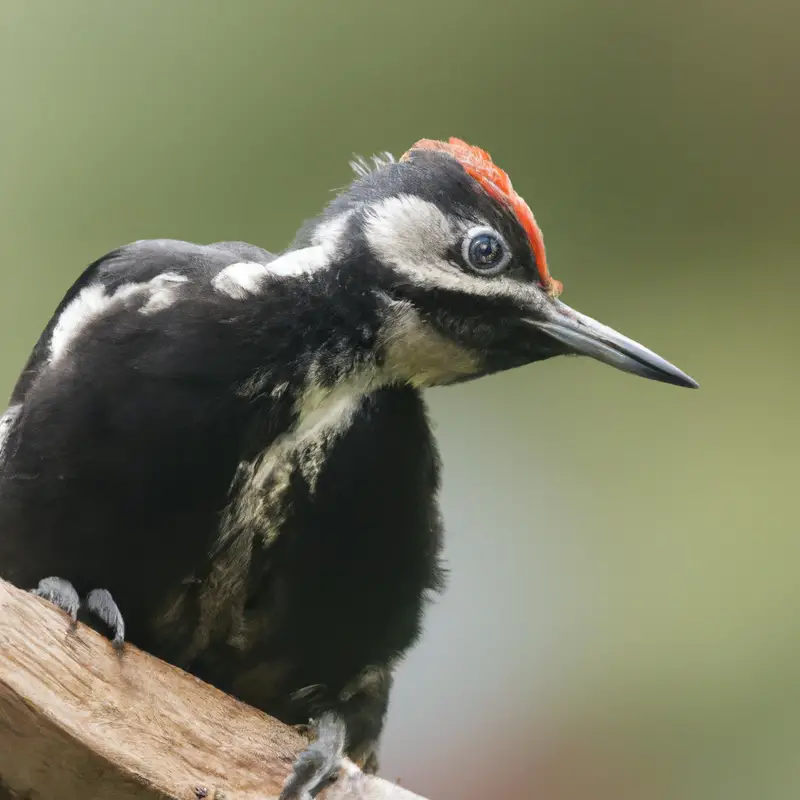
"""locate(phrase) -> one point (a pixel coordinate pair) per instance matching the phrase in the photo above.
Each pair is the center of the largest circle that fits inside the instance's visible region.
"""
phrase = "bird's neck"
(396, 347)
(339, 334)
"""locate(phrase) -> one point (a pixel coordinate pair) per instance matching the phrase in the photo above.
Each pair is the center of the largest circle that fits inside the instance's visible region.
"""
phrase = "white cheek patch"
(247, 278)
(94, 301)
(526, 294)
(407, 230)
(413, 236)
(416, 353)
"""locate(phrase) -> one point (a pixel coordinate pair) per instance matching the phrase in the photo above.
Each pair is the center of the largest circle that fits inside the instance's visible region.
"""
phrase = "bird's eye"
(485, 251)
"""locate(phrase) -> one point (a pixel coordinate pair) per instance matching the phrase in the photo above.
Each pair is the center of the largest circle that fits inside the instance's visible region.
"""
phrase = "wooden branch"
(79, 720)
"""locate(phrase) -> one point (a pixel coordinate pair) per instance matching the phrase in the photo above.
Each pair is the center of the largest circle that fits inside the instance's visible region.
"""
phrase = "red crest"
(478, 164)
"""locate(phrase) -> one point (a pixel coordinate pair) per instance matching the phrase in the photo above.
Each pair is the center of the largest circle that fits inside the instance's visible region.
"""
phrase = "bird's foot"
(370, 764)
(60, 593)
(98, 603)
(317, 767)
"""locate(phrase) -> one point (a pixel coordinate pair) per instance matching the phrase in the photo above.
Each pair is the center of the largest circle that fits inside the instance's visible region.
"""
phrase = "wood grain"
(79, 720)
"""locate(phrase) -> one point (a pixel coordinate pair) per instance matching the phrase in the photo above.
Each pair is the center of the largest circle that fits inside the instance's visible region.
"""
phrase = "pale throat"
(407, 351)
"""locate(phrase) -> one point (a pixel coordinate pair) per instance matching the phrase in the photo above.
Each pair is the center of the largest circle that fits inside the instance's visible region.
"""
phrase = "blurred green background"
(622, 618)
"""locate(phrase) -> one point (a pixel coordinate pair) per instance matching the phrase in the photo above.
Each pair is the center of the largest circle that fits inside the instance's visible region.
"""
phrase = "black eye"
(485, 251)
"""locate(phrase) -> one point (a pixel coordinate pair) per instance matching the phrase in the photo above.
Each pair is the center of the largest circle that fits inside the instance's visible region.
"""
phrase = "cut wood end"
(79, 719)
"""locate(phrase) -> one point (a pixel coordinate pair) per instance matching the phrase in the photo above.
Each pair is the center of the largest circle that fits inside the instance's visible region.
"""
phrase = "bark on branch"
(79, 720)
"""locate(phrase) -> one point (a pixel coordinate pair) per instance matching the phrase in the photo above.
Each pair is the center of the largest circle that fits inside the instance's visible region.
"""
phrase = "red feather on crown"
(478, 164)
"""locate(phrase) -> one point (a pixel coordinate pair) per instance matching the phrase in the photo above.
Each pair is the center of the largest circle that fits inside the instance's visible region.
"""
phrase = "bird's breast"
(262, 493)
(325, 552)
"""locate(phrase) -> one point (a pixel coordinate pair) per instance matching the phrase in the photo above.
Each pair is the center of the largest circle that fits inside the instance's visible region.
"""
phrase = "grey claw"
(60, 593)
(317, 767)
(99, 602)
(102, 605)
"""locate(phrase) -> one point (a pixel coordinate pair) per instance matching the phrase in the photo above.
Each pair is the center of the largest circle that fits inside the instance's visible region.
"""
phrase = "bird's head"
(457, 263)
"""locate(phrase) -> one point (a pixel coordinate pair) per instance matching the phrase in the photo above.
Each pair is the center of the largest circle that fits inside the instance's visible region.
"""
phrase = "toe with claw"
(98, 603)
(60, 593)
(317, 767)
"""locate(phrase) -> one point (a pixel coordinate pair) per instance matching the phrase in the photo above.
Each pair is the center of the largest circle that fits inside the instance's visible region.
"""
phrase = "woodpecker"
(224, 456)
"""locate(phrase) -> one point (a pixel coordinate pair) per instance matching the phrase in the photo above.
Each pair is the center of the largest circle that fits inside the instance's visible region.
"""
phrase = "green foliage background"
(623, 612)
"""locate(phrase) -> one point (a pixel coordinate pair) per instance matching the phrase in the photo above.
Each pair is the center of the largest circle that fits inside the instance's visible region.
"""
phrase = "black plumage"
(118, 469)
(241, 455)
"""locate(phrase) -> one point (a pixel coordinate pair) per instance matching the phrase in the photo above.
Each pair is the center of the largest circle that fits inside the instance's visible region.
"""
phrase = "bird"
(224, 456)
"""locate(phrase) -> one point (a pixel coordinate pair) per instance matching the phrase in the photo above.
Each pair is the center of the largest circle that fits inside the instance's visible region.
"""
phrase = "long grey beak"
(588, 337)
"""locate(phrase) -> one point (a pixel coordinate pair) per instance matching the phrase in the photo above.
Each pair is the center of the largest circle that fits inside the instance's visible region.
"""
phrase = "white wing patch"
(94, 301)
(90, 303)
(301, 262)
(6, 424)
(164, 292)
(329, 234)
(241, 279)
(246, 278)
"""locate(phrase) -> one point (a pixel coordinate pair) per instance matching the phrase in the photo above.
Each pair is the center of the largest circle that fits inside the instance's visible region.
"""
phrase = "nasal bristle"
(478, 163)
